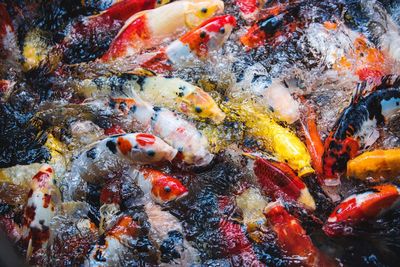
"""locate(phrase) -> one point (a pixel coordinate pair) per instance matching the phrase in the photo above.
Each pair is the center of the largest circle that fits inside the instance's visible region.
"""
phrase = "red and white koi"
(172, 93)
(112, 246)
(150, 28)
(195, 44)
(356, 128)
(175, 131)
(162, 187)
(278, 180)
(250, 9)
(39, 210)
(107, 157)
(361, 207)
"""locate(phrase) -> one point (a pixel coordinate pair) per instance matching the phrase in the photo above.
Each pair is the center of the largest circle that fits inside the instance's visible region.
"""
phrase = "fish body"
(150, 28)
(195, 44)
(112, 246)
(291, 236)
(361, 207)
(278, 180)
(168, 92)
(40, 208)
(312, 137)
(282, 142)
(168, 233)
(375, 165)
(162, 187)
(249, 9)
(110, 155)
(175, 131)
(356, 128)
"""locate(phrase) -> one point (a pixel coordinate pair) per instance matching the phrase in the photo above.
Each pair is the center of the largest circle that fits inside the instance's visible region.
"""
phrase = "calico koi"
(356, 127)
(175, 131)
(197, 43)
(107, 157)
(148, 29)
(168, 92)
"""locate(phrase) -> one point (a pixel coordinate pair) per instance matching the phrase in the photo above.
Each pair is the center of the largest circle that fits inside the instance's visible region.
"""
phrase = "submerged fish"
(361, 207)
(39, 210)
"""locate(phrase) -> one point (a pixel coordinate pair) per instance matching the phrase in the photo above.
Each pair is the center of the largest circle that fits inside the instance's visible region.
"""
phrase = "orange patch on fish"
(124, 145)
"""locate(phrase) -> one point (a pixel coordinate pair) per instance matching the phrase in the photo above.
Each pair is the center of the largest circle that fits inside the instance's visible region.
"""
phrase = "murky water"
(210, 219)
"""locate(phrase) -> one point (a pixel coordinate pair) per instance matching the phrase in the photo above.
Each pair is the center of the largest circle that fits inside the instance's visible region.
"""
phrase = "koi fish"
(375, 165)
(235, 243)
(361, 207)
(105, 158)
(282, 142)
(249, 9)
(356, 127)
(252, 203)
(345, 50)
(90, 37)
(150, 28)
(278, 180)
(168, 233)
(168, 92)
(39, 210)
(163, 187)
(313, 139)
(111, 246)
(291, 236)
(272, 27)
(175, 131)
(197, 43)
(273, 95)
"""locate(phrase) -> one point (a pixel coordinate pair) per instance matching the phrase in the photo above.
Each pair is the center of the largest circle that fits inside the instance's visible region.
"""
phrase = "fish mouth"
(182, 195)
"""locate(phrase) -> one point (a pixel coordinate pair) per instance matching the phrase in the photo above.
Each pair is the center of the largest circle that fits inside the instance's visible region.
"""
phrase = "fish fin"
(358, 93)
(143, 72)
(388, 81)
(29, 250)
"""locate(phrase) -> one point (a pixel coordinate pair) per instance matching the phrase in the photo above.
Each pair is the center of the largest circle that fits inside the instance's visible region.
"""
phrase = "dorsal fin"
(387, 82)
(142, 72)
(358, 93)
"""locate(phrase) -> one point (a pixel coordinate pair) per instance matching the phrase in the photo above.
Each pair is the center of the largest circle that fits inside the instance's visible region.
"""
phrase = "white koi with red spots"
(39, 210)
(108, 157)
(166, 124)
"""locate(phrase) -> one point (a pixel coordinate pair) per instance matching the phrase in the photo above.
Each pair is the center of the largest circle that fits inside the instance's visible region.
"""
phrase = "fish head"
(44, 178)
(209, 36)
(144, 148)
(339, 221)
(201, 104)
(199, 11)
(336, 155)
(167, 188)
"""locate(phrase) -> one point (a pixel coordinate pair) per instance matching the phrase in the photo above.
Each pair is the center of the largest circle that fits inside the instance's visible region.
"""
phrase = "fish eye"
(222, 30)
(198, 109)
(204, 10)
(203, 34)
(167, 189)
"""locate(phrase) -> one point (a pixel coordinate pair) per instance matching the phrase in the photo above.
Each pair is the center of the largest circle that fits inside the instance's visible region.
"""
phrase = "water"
(304, 61)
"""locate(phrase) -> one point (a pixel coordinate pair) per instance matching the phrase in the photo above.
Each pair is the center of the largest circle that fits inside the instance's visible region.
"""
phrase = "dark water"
(376, 243)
